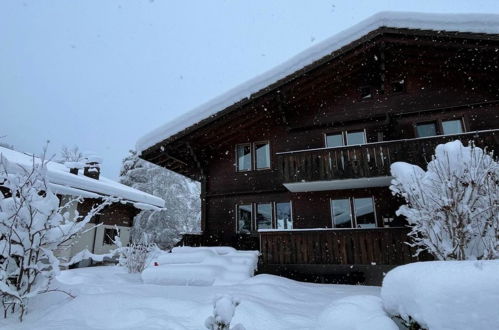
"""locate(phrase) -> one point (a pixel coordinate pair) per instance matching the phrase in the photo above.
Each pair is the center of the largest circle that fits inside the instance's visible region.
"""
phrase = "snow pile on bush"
(445, 294)
(356, 313)
(201, 266)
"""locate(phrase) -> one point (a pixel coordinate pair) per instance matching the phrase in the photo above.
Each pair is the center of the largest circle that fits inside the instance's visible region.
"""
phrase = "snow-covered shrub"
(224, 308)
(453, 207)
(137, 255)
(438, 295)
(182, 212)
(32, 226)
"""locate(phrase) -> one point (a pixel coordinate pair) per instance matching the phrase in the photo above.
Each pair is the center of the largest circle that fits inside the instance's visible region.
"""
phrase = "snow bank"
(203, 266)
(356, 313)
(445, 294)
(479, 23)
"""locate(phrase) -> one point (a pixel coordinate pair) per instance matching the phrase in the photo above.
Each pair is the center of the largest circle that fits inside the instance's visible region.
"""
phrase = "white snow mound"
(457, 295)
(202, 266)
(355, 313)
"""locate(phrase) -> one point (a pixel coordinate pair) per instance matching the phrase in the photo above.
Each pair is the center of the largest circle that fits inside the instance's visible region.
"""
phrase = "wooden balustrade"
(380, 246)
(369, 160)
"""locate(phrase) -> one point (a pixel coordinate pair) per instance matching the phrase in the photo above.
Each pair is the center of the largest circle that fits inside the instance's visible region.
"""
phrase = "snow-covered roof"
(474, 23)
(65, 183)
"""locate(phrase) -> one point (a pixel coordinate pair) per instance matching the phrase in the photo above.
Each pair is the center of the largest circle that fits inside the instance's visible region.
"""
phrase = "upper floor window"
(353, 213)
(446, 127)
(454, 126)
(426, 129)
(252, 156)
(345, 138)
(243, 157)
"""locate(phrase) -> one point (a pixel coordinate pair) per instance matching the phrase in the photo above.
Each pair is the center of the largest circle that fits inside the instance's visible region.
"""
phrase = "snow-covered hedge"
(445, 294)
(202, 266)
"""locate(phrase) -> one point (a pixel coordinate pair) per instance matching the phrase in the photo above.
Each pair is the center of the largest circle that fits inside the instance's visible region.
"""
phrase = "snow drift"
(457, 295)
(201, 266)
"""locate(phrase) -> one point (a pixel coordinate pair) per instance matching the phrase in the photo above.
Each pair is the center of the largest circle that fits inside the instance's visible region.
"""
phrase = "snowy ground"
(110, 298)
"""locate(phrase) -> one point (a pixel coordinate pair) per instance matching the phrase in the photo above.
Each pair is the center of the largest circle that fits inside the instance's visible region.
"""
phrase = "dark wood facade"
(382, 84)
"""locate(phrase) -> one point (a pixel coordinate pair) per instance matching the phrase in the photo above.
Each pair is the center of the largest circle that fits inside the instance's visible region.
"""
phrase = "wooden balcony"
(380, 246)
(370, 160)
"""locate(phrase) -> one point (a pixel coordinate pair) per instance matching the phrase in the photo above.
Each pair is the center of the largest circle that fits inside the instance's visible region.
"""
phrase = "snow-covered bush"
(182, 212)
(137, 255)
(438, 295)
(224, 308)
(453, 207)
(32, 226)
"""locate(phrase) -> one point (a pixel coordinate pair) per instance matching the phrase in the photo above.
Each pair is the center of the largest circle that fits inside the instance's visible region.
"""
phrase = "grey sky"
(99, 74)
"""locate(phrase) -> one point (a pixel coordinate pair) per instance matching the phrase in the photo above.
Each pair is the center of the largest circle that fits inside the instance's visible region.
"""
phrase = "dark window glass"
(398, 86)
(109, 235)
(364, 212)
(342, 214)
(454, 126)
(365, 92)
(334, 140)
(243, 157)
(426, 129)
(244, 218)
(262, 155)
(264, 216)
(354, 138)
(284, 219)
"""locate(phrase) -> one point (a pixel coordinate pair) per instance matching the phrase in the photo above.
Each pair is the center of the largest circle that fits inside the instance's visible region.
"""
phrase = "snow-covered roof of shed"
(65, 183)
(473, 23)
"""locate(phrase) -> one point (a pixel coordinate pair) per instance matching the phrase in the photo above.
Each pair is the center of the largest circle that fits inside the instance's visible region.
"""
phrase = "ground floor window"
(268, 215)
(109, 235)
(244, 216)
(353, 212)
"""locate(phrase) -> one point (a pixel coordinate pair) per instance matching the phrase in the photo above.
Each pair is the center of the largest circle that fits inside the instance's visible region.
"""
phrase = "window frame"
(237, 157)
(238, 230)
(439, 128)
(461, 119)
(272, 217)
(290, 202)
(105, 237)
(254, 159)
(344, 137)
(353, 215)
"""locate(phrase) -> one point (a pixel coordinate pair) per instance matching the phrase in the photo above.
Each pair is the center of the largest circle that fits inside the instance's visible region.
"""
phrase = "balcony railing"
(380, 246)
(371, 159)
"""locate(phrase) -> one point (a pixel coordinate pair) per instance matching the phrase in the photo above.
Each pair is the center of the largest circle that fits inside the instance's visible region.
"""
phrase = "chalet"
(296, 162)
(87, 183)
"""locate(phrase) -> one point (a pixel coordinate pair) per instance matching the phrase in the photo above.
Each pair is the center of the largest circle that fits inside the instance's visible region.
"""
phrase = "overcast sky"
(100, 74)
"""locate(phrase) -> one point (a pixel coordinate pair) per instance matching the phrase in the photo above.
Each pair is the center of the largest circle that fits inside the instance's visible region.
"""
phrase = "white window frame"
(254, 160)
(353, 215)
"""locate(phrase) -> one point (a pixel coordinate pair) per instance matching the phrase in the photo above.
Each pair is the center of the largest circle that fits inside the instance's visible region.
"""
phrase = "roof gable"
(471, 23)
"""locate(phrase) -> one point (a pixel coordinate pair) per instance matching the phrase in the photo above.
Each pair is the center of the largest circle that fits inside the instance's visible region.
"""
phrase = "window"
(358, 137)
(284, 219)
(262, 155)
(263, 216)
(426, 129)
(342, 213)
(244, 217)
(364, 212)
(365, 92)
(109, 235)
(353, 213)
(345, 138)
(334, 140)
(243, 157)
(267, 215)
(254, 156)
(454, 126)
(398, 86)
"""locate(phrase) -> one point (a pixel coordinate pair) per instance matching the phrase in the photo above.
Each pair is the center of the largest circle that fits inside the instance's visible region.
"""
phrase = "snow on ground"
(457, 295)
(201, 266)
(110, 298)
